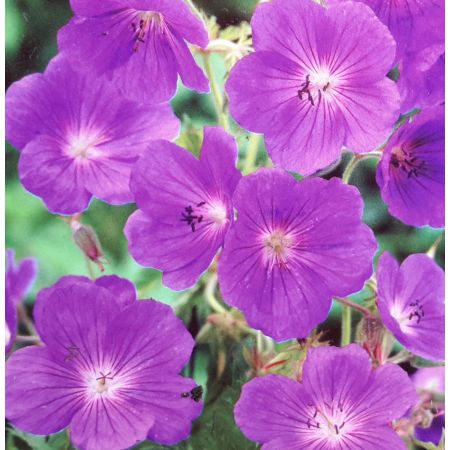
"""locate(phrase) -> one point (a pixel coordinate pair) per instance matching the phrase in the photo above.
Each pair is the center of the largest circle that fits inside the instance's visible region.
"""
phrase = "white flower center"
(277, 248)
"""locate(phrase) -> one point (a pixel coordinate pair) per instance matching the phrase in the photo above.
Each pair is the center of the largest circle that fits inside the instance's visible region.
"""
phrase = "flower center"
(102, 383)
(213, 213)
(82, 146)
(329, 422)
(412, 315)
(316, 85)
(403, 159)
(278, 246)
(141, 25)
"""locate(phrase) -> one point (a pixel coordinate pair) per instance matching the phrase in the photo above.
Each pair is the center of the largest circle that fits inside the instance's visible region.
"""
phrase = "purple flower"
(411, 171)
(422, 79)
(141, 45)
(317, 81)
(20, 277)
(294, 246)
(18, 281)
(184, 206)
(340, 404)
(109, 369)
(414, 24)
(78, 137)
(411, 303)
(431, 379)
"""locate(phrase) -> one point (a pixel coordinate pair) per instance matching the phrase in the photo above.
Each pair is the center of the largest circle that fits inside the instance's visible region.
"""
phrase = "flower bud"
(373, 336)
(86, 238)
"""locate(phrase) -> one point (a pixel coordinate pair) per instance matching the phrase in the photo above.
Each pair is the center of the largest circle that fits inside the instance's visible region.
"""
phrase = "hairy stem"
(218, 98)
(432, 250)
(210, 295)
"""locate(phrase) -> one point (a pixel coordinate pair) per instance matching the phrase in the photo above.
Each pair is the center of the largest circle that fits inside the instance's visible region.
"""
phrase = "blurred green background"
(31, 28)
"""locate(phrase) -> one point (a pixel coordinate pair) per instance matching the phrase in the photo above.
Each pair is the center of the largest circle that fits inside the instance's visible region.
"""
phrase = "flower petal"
(41, 395)
(123, 290)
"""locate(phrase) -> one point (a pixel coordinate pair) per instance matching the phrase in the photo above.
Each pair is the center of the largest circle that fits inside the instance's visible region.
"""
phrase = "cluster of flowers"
(97, 123)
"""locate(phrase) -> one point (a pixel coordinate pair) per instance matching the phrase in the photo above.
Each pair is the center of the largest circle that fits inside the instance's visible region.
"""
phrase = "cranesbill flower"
(431, 379)
(411, 303)
(141, 45)
(415, 24)
(294, 246)
(109, 369)
(316, 82)
(411, 171)
(79, 138)
(18, 281)
(341, 403)
(184, 206)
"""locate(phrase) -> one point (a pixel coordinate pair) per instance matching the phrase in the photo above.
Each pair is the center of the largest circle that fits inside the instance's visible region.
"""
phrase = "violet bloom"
(141, 45)
(316, 82)
(411, 303)
(341, 404)
(415, 24)
(431, 379)
(184, 206)
(411, 171)
(18, 281)
(78, 137)
(294, 246)
(109, 369)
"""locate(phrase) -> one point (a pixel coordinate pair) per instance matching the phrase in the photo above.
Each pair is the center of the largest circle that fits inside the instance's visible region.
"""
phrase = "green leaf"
(35, 442)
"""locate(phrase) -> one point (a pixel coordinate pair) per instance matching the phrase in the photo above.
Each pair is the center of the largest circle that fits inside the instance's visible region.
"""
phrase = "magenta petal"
(22, 123)
(387, 381)
(111, 424)
(41, 395)
(123, 290)
(151, 360)
(20, 278)
(411, 303)
(162, 345)
(53, 177)
(190, 73)
(275, 404)
(72, 318)
(89, 8)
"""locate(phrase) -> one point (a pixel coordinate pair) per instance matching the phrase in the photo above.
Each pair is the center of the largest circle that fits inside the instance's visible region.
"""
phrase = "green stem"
(252, 153)
(355, 306)
(210, 296)
(218, 99)
(346, 330)
(354, 161)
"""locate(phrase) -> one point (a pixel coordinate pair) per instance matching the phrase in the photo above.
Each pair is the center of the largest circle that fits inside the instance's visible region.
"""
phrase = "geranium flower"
(78, 137)
(411, 303)
(316, 82)
(341, 403)
(18, 281)
(184, 206)
(294, 246)
(141, 45)
(109, 369)
(411, 171)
